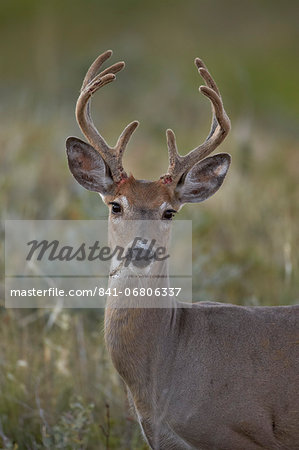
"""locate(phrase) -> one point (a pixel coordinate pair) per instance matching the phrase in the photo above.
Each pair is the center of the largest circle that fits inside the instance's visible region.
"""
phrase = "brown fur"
(137, 192)
(201, 376)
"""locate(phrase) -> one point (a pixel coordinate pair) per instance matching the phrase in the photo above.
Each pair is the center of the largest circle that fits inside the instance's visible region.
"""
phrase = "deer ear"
(204, 179)
(88, 167)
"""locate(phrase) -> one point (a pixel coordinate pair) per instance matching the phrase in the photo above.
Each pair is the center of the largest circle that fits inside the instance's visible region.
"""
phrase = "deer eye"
(115, 208)
(168, 214)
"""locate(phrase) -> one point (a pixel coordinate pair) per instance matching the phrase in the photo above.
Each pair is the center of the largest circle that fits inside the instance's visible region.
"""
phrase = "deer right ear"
(88, 167)
(204, 179)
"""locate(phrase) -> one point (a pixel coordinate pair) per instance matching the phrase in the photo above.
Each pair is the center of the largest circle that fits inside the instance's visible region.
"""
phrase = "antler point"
(204, 88)
(169, 131)
(199, 63)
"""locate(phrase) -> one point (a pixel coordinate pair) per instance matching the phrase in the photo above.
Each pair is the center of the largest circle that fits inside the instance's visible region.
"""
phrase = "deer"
(204, 375)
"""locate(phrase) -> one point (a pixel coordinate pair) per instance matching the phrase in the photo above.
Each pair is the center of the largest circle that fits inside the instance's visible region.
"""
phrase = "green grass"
(55, 382)
(57, 385)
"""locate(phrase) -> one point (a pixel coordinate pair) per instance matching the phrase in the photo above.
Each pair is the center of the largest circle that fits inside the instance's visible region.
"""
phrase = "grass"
(57, 385)
(56, 381)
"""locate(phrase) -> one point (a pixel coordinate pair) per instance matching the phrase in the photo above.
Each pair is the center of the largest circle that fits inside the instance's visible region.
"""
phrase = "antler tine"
(91, 83)
(95, 67)
(178, 165)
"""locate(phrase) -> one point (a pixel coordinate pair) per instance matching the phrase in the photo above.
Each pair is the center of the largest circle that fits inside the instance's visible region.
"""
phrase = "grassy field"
(58, 388)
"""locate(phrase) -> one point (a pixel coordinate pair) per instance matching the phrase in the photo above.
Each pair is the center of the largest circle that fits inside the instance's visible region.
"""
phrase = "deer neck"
(135, 323)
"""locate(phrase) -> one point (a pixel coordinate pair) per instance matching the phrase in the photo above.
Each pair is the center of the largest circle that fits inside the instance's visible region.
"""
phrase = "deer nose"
(140, 257)
(141, 254)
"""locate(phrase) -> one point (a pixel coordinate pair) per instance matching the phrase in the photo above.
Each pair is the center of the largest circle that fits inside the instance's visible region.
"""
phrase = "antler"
(178, 165)
(91, 83)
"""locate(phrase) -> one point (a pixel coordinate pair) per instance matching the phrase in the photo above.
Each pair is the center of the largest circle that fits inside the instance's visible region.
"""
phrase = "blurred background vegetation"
(57, 386)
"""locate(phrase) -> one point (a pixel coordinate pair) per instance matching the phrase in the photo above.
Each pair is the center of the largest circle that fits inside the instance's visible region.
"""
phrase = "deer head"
(98, 167)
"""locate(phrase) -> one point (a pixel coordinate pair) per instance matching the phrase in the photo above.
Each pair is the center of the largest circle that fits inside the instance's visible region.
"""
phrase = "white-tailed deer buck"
(204, 375)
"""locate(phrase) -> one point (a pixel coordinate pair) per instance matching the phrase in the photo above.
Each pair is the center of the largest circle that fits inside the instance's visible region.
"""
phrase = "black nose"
(140, 257)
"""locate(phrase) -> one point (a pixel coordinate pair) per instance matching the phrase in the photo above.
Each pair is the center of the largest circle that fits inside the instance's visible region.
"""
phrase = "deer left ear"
(88, 167)
(204, 179)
